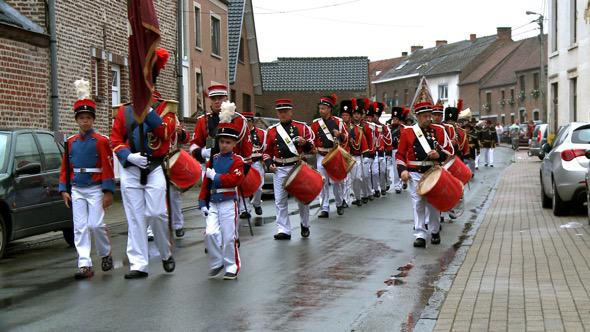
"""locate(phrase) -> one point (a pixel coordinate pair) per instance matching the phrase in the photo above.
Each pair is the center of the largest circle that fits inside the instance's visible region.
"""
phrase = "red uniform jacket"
(276, 149)
(258, 137)
(462, 143)
(370, 136)
(321, 141)
(387, 141)
(410, 154)
(229, 169)
(206, 129)
(357, 140)
(87, 151)
(159, 127)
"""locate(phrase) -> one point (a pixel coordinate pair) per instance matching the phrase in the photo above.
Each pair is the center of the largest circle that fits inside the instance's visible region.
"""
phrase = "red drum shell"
(304, 183)
(251, 183)
(338, 163)
(183, 170)
(441, 189)
(458, 169)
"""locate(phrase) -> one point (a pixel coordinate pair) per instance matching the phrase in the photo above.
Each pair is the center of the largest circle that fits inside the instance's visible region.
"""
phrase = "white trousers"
(397, 181)
(145, 205)
(488, 155)
(424, 213)
(220, 237)
(337, 187)
(376, 168)
(281, 202)
(356, 178)
(88, 217)
(176, 208)
(367, 177)
(383, 182)
(256, 200)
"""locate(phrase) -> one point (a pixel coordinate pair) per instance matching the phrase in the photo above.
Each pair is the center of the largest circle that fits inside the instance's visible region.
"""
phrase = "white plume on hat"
(82, 89)
(465, 114)
(228, 110)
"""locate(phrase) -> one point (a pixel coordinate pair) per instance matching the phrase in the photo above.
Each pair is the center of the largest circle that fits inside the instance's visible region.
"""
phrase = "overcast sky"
(381, 29)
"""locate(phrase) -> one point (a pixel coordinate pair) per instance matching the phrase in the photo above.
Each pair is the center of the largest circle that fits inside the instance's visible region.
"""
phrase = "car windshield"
(4, 144)
(581, 135)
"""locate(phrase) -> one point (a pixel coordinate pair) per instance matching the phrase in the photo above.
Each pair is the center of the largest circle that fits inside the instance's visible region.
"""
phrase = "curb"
(429, 316)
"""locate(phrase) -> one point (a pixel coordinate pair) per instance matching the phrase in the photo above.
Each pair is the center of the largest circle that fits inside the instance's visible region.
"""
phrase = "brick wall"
(99, 27)
(24, 85)
(396, 90)
(306, 103)
(244, 83)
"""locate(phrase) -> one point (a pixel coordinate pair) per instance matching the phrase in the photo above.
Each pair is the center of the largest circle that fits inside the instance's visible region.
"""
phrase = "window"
(405, 97)
(384, 99)
(115, 85)
(26, 151)
(503, 94)
(522, 85)
(574, 99)
(241, 51)
(232, 96)
(581, 135)
(443, 92)
(536, 81)
(4, 146)
(511, 117)
(199, 85)
(554, 25)
(512, 94)
(97, 79)
(51, 152)
(573, 22)
(536, 116)
(489, 101)
(215, 35)
(554, 104)
(503, 119)
(246, 103)
(197, 26)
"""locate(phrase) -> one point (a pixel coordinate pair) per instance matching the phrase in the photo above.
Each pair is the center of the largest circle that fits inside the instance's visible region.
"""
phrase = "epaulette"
(300, 122)
(273, 126)
(316, 120)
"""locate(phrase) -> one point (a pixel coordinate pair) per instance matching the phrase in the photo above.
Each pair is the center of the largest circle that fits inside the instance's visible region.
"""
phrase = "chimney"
(404, 53)
(504, 33)
(440, 43)
(414, 48)
(472, 37)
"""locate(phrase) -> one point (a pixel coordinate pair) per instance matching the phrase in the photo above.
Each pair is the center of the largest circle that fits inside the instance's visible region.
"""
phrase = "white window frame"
(116, 101)
(443, 88)
(198, 33)
(573, 22)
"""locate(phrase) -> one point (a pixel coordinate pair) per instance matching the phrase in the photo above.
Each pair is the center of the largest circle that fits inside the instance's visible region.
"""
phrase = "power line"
(274, 11)
(521, 33)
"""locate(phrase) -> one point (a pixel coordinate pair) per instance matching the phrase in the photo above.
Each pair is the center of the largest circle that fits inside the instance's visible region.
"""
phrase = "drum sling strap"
(283, 133)
(326, 130)
(420, 135)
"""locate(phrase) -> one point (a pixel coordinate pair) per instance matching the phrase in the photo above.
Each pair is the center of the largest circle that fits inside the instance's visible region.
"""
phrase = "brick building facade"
(91, 44)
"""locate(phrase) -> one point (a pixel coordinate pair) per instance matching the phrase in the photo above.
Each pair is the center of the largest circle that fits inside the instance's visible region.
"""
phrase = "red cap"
(85, 105)
(438, 108)
(248, 115)
(162, 58)
(283, 104)
(217, 90)
(228, 129)
(328, 100)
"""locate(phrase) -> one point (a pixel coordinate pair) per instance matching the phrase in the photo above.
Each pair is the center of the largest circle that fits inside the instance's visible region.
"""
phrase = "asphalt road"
(341, 278)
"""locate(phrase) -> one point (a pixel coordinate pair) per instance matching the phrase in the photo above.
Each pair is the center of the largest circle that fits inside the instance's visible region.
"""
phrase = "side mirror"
(29, 169)
(546, 147)
(587, 153)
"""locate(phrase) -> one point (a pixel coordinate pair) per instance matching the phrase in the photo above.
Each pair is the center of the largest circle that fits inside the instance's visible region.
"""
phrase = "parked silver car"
(563, 170)
(538, 139)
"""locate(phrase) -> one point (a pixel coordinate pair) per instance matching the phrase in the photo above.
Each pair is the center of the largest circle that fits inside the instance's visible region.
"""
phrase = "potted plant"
(535, 93)
(522, 95)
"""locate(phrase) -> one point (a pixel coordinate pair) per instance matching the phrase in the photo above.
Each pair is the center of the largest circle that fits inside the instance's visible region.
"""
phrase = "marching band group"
(358, 159)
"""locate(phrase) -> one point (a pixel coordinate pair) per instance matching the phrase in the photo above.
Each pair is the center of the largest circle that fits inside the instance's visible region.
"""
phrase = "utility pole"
(542, 83)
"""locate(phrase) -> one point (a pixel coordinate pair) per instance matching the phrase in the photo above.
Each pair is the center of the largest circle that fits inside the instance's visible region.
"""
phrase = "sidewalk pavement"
(523, 271)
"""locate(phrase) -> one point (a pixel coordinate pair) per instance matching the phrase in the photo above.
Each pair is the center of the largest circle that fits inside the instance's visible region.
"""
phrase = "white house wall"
(451, 81)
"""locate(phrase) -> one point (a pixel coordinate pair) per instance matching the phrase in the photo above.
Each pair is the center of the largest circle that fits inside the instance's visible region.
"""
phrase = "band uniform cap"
(329, 101)
(85, 106)
(451, 113)
(217, 90)
(346, 106)
(248, 115)
(283, 104)
(228, 129)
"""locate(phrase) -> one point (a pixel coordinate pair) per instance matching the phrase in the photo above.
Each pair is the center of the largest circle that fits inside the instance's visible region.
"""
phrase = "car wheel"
(3, 237)
(541, 156)
(559, 206)
(545, 200)
(68, 236)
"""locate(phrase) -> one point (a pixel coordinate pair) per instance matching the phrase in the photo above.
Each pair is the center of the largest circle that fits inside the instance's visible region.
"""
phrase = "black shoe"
(245, 215)
(150, 238)
(383, 192)
(377, 194)
(107, 263)
(258, 210)
(358, 202)
(420, 243)
(238, 242)
(370, 198)
(398, 191)
(365, 200)
(387, 188)
(324, 214)
(476, 168)
(426, 226)
(435, 238)
(84, 272)
(214, 272)
(486, 165)
(169, 264)
(282, 236)
(340, 210)
(179, 232)
(345, 205)
(304, 231)
(230, 276)
(442, 219)
(135, 274)
(404, 186)
(491, 165)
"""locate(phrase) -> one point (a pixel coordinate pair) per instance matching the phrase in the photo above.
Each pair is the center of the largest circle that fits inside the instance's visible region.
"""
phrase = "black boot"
(179, 232)
(258, 210)
(304, 231)
(282, 236)
(169, 264)
(435, 238)
(107, 263)
(324, 214)
(135, 274)
(420, 243)
(340, 210)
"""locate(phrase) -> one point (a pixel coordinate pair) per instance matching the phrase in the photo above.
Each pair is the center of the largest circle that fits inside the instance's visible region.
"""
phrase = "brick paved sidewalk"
(522, 272)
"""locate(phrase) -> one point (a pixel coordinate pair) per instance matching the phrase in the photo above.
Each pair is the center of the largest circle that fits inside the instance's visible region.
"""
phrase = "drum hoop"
(293, 174)
(450, 163)
(425, 176)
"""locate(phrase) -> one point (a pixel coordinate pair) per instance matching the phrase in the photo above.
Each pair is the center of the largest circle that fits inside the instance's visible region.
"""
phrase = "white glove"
(206, 153)
(138, 160)
(204, 211)
(210, 172)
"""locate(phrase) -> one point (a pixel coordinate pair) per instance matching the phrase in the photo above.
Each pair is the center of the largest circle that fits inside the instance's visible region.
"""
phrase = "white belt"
(421, 163)
(87, 170)
(223, 190)
(286, 160)
(324, 149)
(256, 155)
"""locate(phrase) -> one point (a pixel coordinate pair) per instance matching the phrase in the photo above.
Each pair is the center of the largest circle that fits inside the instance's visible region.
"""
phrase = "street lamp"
(539, 21)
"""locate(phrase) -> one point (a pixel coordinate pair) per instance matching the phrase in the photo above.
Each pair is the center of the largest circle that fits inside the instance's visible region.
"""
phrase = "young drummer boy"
(92, 185)
(218, 198)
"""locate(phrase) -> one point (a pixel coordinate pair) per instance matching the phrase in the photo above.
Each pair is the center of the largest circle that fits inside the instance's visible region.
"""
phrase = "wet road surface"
(344, 277)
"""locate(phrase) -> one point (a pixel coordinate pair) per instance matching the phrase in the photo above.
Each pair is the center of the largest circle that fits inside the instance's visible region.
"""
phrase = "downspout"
(53, 65)
(179, 52)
